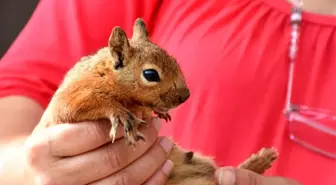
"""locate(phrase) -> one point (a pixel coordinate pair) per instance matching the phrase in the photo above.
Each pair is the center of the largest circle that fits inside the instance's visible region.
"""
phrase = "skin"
(325, 7)
(55, 157)
(48, 147)
(16, 131)
(235, 176)
(12, 137)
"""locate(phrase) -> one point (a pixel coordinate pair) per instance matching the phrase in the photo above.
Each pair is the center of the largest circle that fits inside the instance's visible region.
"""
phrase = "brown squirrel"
(132, 75)
(197, 169)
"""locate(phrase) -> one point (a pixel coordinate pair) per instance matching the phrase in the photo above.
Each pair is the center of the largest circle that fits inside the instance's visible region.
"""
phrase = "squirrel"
(128, 76)
(197, 169)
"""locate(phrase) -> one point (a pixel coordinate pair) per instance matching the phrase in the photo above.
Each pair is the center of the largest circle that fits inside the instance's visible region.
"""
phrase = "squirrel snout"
(184, 96)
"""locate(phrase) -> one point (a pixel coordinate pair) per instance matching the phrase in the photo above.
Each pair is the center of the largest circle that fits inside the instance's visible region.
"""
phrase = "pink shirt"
(234, 55)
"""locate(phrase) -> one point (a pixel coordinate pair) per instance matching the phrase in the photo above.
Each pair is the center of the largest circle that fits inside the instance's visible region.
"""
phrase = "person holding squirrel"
(236, 57)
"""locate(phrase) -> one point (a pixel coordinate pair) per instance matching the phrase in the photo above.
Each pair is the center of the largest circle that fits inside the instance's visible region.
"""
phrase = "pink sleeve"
(57, 35)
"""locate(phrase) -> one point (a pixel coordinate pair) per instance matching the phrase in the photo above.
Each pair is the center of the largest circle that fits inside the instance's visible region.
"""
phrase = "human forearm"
(19, 115)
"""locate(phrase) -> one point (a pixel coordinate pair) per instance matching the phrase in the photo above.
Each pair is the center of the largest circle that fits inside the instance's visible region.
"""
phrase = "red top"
(233, 53)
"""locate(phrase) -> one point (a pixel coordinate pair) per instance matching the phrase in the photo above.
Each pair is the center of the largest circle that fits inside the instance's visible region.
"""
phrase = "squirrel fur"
(127, 76)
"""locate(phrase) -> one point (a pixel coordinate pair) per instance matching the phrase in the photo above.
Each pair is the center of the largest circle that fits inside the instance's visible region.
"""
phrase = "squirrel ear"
(118, 45)
(139, 30)
(188, 156)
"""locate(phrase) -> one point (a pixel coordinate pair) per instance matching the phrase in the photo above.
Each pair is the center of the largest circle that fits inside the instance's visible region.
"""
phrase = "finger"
(76, 138)
(47, 145)
(161, 176)
(36, 151)
(142, 169)
(106, 160)
(59, 135)
(226, 176)
(231, 176)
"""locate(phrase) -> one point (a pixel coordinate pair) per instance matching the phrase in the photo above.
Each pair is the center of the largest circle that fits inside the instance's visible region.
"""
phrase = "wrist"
(12, 164)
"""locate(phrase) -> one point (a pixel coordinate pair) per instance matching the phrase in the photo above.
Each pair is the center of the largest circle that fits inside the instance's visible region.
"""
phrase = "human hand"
(83, 153)
(232, 176)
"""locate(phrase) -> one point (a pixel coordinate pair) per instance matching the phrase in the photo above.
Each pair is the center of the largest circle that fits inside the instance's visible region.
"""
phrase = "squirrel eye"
(151, 75)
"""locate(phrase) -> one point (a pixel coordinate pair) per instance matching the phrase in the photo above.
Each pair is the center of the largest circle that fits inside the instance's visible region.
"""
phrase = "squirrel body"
(128, 76)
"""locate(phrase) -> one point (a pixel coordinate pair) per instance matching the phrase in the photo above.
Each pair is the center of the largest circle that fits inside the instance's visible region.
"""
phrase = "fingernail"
(167, 167)
(166, 144)
(226, 176)
(157, 124)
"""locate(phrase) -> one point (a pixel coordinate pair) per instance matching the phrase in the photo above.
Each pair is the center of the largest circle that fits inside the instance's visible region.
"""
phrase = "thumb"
(225, 176)
(234, 176)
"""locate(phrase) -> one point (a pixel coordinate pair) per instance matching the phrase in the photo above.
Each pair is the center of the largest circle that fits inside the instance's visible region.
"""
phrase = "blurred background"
(14, 15)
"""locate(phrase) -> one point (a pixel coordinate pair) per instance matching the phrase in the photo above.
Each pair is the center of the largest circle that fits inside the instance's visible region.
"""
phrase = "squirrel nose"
(185, 94)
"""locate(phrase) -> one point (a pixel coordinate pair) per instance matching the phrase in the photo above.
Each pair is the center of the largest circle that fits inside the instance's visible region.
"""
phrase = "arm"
(11, 148)
(57, 35)
(21, 113)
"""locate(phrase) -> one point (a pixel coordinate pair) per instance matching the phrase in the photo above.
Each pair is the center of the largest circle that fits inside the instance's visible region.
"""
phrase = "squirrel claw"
(130, 123)
(164, 116)
(135, 120)
(140, 121)
(113, 132)
(132, 138)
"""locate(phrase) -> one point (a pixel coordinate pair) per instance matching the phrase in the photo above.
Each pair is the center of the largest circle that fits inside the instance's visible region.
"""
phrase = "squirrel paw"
(261, 161)
(164, 116)
(130, 123)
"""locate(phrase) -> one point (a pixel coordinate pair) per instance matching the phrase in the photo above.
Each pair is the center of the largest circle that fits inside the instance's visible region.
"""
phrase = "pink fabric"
(234, 55)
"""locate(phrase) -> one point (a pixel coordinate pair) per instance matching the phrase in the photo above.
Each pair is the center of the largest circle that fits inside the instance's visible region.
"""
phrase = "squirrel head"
(145, 71)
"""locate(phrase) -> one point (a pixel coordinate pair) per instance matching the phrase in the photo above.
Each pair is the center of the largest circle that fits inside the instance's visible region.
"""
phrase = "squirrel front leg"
(74, 109)
(117, 114)
(120, 115)
(165, 116)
